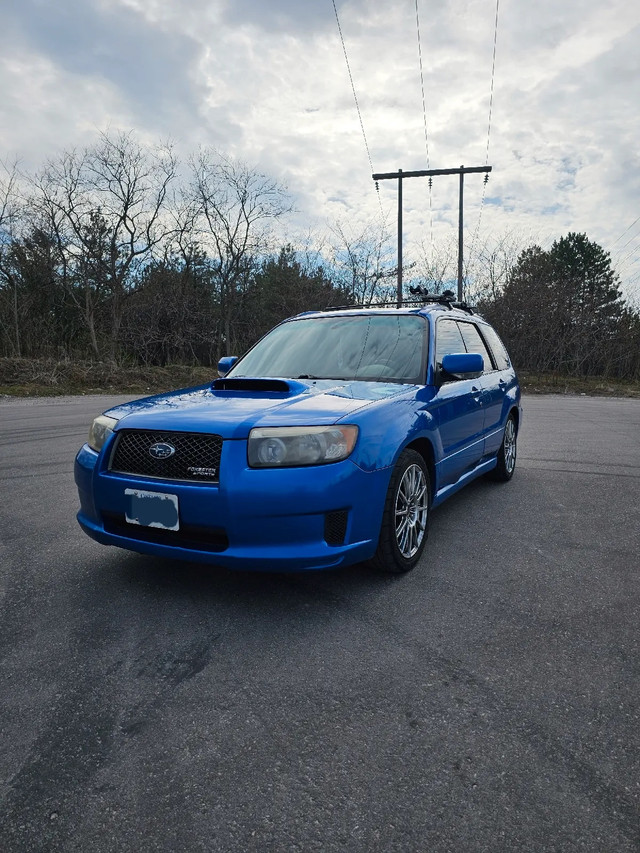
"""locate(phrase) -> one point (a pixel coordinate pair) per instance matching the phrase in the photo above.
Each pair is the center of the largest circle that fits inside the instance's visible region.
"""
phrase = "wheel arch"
(515, 411)
(424, 447)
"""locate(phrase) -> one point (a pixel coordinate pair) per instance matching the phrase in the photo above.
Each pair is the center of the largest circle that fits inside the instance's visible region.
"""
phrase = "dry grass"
(23, 377)
(593, 386)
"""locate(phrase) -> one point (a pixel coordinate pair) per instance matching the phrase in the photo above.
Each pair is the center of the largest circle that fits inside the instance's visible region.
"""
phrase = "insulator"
(430, 181)
(486, 178)
(377, 186)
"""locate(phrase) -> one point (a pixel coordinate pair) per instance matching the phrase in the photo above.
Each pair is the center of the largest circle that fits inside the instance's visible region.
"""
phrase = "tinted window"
(448, 339)
(385, 347)
(474, 343)
(497, 347)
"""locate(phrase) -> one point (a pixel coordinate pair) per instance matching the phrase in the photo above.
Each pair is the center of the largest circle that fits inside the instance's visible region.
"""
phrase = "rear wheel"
(405, 520)
(507, 453)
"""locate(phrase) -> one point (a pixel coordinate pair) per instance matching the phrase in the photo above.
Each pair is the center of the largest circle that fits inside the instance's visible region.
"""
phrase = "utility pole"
(399, 290)
(460, 233)
(425, 173)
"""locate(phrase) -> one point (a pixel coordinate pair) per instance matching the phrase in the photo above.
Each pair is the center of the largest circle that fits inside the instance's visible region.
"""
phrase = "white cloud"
(268, 83)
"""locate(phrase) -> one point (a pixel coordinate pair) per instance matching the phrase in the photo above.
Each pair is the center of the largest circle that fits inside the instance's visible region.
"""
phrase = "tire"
(507, 453)
(405, 520)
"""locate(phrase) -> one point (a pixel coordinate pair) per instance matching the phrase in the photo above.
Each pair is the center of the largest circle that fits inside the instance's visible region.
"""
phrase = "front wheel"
(405, 520)
(507, 453)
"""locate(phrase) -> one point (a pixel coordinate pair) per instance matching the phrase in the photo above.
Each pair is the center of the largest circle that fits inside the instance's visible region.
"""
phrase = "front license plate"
(152, 509)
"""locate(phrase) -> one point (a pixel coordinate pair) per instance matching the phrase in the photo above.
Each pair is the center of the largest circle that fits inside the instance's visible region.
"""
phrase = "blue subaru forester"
(328, 443)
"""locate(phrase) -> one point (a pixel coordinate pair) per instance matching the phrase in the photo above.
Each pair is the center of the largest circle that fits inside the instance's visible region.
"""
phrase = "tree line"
(120, 252)
(561, 310)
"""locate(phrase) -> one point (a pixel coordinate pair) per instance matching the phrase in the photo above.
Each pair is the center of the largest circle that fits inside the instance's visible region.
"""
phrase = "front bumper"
(255, 519)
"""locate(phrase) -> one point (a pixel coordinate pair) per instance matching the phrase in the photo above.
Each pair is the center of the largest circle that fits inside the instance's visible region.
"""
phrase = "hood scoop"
(255, 385)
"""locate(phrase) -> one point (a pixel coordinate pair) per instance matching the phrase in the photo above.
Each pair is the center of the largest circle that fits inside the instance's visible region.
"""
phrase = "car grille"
(196, 457)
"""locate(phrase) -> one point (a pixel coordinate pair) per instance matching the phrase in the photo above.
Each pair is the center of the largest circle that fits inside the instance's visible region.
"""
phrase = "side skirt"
(478, 471)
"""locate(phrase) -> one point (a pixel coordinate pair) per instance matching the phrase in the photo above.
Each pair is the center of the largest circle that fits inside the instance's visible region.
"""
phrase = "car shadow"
(176, 577)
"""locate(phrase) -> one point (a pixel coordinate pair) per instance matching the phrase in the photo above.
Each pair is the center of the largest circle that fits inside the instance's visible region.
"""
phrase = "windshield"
(382, 347)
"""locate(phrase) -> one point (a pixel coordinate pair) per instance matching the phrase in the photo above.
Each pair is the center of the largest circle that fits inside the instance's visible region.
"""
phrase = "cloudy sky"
(266, 81)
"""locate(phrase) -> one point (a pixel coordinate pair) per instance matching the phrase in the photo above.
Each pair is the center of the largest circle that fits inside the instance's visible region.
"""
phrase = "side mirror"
(463, 365)
(225, 364)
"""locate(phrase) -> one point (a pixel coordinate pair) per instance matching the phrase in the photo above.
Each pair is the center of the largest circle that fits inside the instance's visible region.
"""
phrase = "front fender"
(388, 427)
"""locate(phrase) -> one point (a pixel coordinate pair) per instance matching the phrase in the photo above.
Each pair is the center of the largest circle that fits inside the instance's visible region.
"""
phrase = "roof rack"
(447, 299)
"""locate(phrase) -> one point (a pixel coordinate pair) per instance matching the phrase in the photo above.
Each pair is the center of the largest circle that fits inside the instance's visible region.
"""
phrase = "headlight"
(101, 429)
(282, 447)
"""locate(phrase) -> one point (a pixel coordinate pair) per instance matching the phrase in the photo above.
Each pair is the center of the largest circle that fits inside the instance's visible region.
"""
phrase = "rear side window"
(475, 344)
(500, 354)
(448, 339)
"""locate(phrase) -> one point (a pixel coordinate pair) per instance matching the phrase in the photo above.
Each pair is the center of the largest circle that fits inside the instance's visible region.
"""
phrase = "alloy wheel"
(510, 446)
(411, 510)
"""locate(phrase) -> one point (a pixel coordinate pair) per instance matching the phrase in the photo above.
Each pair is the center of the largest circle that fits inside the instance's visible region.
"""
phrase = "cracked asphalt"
(488, 701)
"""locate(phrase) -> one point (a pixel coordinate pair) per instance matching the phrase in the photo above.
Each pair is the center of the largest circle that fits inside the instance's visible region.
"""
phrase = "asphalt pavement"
(487, 701)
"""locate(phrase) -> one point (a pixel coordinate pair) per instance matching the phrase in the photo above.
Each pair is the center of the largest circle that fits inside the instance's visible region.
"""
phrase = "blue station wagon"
(328, 443)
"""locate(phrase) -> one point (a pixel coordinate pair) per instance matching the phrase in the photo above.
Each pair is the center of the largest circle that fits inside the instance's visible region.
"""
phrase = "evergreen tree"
(561, 309)
(281, 288)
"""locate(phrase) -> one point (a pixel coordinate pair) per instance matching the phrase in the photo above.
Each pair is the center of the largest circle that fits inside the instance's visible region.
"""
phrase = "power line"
(624, 232)
(493, 77)
(627, 267)
(621, 262)
(426, 131)
(635, 279)
(633, 237)
(355, 98)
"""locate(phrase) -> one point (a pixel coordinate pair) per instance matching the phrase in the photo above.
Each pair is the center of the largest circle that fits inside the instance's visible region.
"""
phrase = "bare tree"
(9, 215)
(364, 261)
(490, 265)
(105, 206)
(436, 267)
(182, 243)
(237, 205)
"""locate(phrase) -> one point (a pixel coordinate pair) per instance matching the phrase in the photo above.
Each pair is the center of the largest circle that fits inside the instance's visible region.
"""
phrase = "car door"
(492, 391)
(457, 408)
(496, 384)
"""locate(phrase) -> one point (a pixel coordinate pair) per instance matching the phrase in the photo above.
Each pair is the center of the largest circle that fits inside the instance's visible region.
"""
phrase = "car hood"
(231, 408)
